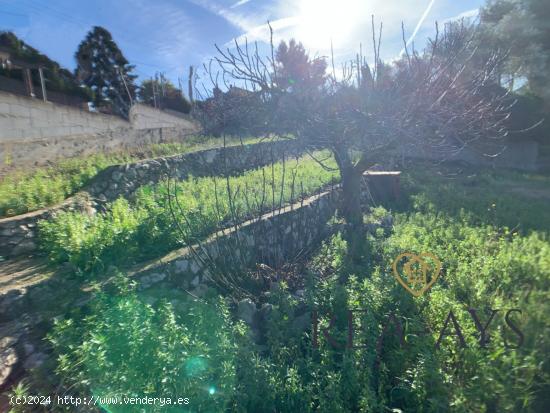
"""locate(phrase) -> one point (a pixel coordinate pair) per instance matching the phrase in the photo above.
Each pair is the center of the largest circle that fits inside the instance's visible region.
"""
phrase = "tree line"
(102, 76)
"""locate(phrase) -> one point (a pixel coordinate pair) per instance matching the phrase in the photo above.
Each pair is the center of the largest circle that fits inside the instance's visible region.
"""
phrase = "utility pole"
(154, 92)
(126, 86)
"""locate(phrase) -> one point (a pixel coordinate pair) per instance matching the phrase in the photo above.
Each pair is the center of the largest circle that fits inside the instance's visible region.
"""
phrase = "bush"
(124, 347)
(25, 191)
(128, 233)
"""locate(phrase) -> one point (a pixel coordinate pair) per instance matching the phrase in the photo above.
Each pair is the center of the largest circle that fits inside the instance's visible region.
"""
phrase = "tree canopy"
(103, 68)
(520, 27)
(163, 94)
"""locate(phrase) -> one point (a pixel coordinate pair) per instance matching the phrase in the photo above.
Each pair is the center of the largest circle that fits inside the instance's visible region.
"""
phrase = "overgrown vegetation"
(486, 265)
(125, 347)
(24, 191)
(129, 232)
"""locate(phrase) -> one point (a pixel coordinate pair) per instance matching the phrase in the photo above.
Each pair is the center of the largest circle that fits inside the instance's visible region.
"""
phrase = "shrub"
(125, 347)
(127, 233)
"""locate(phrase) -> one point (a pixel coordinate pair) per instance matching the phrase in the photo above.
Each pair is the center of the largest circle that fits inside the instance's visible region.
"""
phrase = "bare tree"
(423, 101)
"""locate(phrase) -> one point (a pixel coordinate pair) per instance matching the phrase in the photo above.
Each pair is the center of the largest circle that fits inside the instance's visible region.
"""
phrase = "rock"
(246, 309)
(194, 267)
(10, 304)
(29, 349)
(102, 198)
(8, 358)
(117, 176)
(195, 281)
(150, 300)
(34, 360)
(8, 232)
(182, 266)
(200, 290)
(24, 247)
(209, 156)
(148, 280)
(387, 222)
(265, 311)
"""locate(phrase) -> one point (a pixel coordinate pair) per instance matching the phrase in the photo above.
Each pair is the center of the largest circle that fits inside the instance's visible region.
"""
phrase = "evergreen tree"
(102, 67)
(521, 28)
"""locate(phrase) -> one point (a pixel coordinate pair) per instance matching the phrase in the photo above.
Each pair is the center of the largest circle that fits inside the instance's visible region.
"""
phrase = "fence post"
(43, 84)
(28, 81)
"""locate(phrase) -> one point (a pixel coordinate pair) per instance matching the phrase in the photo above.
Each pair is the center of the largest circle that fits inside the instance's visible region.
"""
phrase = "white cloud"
(468, 14)
(239, 3)
(261, 32)
(346, 24)
(238, 20)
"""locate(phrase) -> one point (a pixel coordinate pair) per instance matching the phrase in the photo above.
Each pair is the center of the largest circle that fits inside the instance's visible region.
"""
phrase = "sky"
(170, 35)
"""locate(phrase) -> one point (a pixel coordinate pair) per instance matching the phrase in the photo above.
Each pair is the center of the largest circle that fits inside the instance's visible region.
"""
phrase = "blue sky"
(170, 35)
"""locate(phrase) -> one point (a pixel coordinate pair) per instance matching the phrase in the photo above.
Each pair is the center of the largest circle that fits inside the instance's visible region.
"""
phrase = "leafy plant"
(124, 347)
(126, 232)
(23, 191)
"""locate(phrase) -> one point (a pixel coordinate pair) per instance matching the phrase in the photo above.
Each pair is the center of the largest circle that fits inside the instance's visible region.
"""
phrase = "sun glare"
(323, 21)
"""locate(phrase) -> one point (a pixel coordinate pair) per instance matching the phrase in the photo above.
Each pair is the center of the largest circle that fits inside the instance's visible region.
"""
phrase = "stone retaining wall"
(26, 314)
(18, 234)
(123, 180)
(273, 239)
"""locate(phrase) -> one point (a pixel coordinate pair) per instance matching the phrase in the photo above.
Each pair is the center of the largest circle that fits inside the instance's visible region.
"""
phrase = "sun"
(323, 21)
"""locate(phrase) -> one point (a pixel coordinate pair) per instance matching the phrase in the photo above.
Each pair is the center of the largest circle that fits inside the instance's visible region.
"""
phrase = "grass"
(494, 257)
(504, 198)
(130, 232)
(24, 191)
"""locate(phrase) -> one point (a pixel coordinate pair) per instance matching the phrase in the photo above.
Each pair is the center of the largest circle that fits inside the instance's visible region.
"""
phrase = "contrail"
(417, 28)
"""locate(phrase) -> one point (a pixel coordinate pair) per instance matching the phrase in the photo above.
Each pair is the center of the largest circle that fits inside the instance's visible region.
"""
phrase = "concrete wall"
(35, 132)
(146, 117)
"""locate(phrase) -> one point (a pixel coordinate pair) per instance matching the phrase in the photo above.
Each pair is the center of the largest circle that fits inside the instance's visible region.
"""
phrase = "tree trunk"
(351, 205)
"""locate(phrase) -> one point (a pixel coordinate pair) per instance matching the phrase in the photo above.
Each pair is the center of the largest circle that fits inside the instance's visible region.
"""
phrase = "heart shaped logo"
(416, 273)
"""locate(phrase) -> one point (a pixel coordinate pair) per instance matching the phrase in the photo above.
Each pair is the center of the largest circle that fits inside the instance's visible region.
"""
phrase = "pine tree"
(103, 68)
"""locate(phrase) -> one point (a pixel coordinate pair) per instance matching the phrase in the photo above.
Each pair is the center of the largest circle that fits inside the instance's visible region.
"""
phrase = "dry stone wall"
(273, 239)
(26, 314)
(18, 234)
(123, 180)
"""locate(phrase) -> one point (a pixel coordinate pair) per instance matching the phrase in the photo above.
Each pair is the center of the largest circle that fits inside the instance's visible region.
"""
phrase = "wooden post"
(43, 84)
